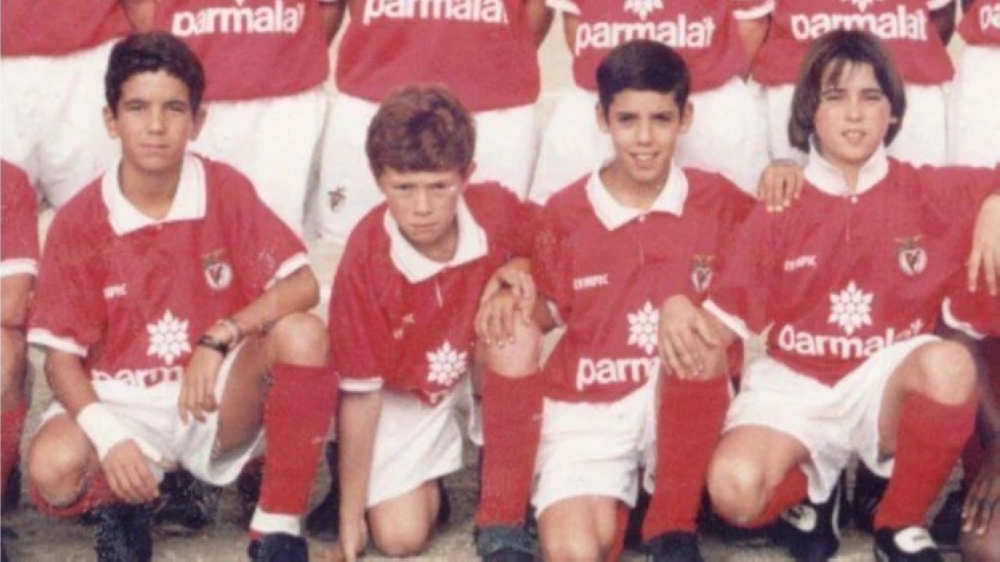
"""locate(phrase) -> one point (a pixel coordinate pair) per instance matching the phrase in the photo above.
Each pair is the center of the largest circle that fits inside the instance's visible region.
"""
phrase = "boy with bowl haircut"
(401, 325)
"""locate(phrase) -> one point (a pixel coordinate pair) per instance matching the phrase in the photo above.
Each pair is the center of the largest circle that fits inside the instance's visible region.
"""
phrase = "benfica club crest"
(911, 256)
(701, 272)
(218, 272)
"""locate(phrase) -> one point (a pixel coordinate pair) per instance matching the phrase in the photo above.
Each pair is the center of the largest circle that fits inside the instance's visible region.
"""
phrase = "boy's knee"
(735, 487)
(56, 475)
(569, 545)
(300, 338)
(401, 541)
(981, 548)
(947, 372)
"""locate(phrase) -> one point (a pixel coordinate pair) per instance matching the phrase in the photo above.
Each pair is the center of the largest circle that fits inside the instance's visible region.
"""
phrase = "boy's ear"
(110, 123)
(602, 117)
(199, 122)
(687, 116)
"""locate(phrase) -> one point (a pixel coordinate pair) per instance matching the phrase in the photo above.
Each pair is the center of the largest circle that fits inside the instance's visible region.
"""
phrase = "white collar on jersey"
(189, 201)
(416, 267)
(830, 180)
(613, 214)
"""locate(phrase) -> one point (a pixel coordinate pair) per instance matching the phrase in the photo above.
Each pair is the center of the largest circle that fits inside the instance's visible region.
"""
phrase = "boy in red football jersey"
(850, 282)
(401, 326)
(172, 306)
(610, 248)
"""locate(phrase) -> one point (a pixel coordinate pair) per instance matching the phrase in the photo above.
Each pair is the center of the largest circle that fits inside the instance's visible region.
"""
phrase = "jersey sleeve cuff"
(45, 338)
(361, 385)
(563, 6)
(732, 322)
(18, 266)
(288, 267)
(951, 320)
(753, 10)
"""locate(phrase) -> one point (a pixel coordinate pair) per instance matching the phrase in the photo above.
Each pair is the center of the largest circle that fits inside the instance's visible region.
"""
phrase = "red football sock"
(929, 440)
(512, 415)
(690, 420)
(297, 417)
(98, 494)
(11, 425)
(791, 491)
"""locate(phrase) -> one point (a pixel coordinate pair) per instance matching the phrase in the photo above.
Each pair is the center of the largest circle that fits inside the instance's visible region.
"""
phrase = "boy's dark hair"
(152, 52)
(421, 128)
(834, 51)
(646, 66)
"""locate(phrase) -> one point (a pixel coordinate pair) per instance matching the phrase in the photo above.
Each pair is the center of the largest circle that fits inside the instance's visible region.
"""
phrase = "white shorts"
(596, 448)
(973, 109)
(274, 141)
(414, 443)
(920, 141)
(506, 144)
(833, 423)
(151, 413)
(50, 108)
(726, 137)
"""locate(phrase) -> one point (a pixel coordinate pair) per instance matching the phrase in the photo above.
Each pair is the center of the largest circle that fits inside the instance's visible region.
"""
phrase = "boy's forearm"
(540, 19)
(298, 292)
(356, 428)
(752, 34)
(69, 381)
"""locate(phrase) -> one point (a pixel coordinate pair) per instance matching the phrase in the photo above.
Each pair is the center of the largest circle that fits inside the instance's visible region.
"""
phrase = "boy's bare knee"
(401, 541)
(56, 474)
(735, 486)
(569, 545)
(947, 372)
(300, 338)
(981, 548)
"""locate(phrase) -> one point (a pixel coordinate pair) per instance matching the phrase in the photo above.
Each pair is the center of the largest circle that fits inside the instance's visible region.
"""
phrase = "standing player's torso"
(56, 27)
(482, 49)
(981, 24)
(702, 32)
(251, 49)
(904, 25)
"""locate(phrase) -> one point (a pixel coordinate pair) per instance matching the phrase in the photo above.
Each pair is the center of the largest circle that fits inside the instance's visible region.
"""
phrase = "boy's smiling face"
(852, 117)
(154, 121)
(645, 127)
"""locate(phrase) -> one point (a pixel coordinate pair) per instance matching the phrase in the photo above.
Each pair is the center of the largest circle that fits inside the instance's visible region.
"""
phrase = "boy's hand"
(984, 495)
(780, 183)
(985, 255)
(197, 397)
(128, 474)
(509, 297)
(353, 539)
(688, 344)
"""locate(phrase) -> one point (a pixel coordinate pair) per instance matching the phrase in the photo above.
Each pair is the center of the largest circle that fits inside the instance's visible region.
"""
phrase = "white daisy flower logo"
(168, 338)
(642, 326)
(862, 4)
(851, 308)
(446, 365)
(643, 8)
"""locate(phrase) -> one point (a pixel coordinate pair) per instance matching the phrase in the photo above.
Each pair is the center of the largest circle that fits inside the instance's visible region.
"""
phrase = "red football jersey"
(483, 50)
(839, 278)
(18, 223)
(607, 270)
(56, 27)
(132, 296)
(981, 24)
(904, 25)
(251, 49)
(704, 34)
(400, 320)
